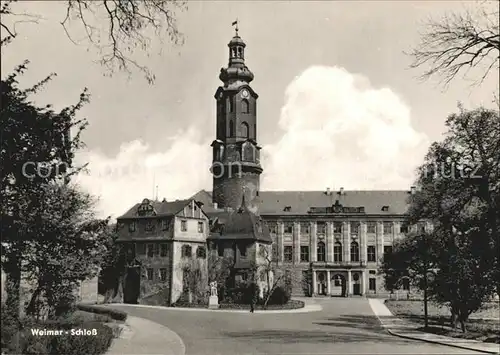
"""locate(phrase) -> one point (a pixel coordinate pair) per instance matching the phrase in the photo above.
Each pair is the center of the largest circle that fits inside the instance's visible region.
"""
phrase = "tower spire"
(235, 24)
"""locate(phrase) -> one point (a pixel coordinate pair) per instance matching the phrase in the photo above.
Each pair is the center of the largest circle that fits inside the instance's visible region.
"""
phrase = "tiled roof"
(239, 225)
(300, 202)
(162, 208)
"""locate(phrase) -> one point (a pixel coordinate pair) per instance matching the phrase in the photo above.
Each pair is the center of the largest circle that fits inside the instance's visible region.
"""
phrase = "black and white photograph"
(216, 177)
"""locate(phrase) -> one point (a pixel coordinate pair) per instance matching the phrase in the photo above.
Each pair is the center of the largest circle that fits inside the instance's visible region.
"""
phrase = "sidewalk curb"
(440, 342)
(306, 309)
(391, 332)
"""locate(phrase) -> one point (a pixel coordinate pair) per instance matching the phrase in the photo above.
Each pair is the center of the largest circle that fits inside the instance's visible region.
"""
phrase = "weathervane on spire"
(235, 23)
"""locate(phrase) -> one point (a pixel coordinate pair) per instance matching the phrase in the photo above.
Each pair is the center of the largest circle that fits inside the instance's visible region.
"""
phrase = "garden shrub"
(113, 313)
(279, 296)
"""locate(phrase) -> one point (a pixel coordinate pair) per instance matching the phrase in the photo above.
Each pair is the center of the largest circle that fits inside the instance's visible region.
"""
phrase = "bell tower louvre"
(236, 165)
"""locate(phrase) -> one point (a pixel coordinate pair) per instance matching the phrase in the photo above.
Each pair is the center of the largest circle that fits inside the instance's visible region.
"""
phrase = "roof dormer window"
(385, 208)
(287, 208)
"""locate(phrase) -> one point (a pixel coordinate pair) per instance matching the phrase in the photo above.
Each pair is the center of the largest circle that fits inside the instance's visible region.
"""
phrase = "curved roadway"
(344, 326)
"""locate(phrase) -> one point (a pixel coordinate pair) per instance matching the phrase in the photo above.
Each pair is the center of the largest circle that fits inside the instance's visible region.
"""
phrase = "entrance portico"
(338, 282)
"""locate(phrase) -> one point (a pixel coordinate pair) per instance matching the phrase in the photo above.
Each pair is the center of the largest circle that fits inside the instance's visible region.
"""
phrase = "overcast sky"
(338, 106)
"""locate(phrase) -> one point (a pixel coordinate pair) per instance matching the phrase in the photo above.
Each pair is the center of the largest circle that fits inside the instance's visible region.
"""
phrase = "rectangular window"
(404, 228)
(149, 226)
(371, 228)
(355, 228)
(131, 227)
(150, 273)
(275, 254)
(388, 226)
(157, 249)
(304, 228)
(371, 253)
(322, 228)
(337, 227)
(372, 284)
(186, 251)
(304, 253)
(164, 224)
(288, 253)
(140, 248)
(150, 250)
(337, 252)
(288, 228)
(220, 250)
(184, 226)
(273, 228)
(163, 274)
(200, 227)
(163, 249)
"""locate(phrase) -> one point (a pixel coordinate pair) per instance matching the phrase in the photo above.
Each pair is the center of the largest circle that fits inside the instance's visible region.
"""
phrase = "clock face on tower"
(244, 93)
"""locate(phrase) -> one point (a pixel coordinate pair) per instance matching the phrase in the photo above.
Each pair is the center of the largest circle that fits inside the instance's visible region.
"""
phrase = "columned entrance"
(356, 284)
(338, 282)
(339, 285)
(321, 287)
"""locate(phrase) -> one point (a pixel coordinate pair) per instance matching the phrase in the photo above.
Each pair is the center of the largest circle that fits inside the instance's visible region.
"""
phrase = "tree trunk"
(31, 308)
(13, 289)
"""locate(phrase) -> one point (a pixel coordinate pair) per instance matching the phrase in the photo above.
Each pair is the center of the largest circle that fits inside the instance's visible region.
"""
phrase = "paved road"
(344, 326)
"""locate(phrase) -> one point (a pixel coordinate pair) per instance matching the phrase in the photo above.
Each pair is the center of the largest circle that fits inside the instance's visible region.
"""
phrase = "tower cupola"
(236, 70)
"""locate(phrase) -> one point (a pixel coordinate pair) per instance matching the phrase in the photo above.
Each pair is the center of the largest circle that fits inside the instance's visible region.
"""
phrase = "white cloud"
(126, 179)
(338, 131)
(341, 132)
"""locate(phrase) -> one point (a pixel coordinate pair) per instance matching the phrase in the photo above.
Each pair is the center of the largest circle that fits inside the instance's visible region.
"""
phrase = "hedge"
(113, 313)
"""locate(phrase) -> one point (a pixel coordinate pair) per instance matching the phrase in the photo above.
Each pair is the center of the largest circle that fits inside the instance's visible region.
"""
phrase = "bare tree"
(275, 274)
(116, 29)
(459, 42)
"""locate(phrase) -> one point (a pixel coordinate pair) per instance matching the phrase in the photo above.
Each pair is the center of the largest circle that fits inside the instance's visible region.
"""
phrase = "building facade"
(161, 238)
(331, 242)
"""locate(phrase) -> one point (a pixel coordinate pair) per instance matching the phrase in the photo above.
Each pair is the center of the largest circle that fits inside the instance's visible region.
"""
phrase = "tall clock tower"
(236, 155)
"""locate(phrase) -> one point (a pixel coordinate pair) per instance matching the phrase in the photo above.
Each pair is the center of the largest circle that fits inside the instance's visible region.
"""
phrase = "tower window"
(245, 106)
(244, 129)
(230, 104)
(231, 128)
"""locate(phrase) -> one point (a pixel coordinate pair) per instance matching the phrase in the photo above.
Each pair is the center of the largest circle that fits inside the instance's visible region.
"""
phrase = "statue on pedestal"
(213, 288)
(214, 299)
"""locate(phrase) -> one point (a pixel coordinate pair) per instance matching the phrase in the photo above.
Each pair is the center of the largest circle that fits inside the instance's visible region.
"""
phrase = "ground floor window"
(372, 284)
(163, 274)
(150, 273)
(304, 253)
(288, 253)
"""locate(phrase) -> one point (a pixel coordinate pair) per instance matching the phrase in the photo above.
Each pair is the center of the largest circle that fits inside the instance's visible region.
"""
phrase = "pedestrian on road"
(254, 296)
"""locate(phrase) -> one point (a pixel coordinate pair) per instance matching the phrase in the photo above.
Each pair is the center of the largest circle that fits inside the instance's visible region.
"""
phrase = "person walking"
(254, 296)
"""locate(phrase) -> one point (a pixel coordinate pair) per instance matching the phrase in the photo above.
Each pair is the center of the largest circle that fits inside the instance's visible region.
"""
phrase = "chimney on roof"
(328, 191)
(215, 205)
(413, 189)
(341, 191)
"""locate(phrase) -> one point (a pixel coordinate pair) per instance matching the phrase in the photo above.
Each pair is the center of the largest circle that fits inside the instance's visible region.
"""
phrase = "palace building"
(332, 242)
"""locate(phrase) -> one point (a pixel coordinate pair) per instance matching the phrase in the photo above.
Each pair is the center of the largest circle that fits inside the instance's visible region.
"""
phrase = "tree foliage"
(116, 29)
(49, 230)
(458, 42)
(458, 190)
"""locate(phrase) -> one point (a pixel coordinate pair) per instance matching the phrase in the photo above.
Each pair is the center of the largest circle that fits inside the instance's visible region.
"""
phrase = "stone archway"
(132, 285)
(338, 285)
